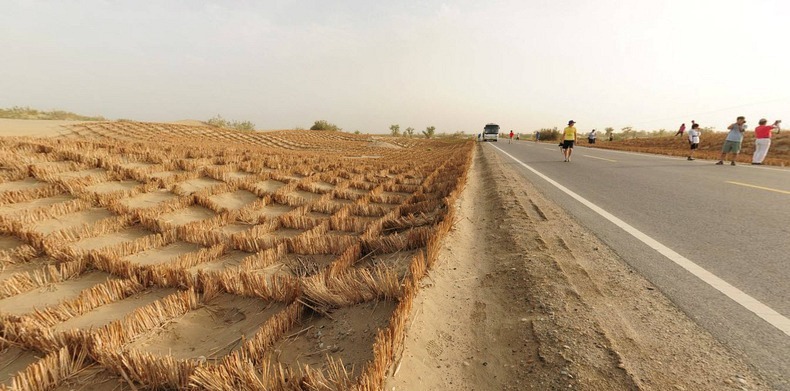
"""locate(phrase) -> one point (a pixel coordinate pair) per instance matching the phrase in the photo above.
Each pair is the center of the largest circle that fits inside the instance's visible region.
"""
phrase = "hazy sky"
(368, 64)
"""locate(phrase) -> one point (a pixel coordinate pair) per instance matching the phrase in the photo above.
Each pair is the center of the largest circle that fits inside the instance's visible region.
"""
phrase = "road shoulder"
(523, 297)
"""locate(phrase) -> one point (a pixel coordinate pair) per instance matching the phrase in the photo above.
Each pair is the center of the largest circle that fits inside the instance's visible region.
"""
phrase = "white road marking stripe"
(758, 187)
(602, 158)
(755, 306)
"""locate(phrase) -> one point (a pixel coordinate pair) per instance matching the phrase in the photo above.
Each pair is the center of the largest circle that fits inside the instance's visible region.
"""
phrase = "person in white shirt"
(694, 134)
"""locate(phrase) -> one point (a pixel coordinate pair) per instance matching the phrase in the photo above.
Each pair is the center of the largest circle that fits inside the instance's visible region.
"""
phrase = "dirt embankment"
(524, 298)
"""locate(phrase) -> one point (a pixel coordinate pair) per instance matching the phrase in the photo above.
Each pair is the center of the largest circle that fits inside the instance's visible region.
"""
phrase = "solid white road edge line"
(758, 308)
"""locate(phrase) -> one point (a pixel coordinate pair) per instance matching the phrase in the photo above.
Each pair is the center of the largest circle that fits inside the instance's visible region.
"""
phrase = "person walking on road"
(537, 135)
(510, 140)
(568, 139)
(694, 134)
(732, 144)
(681, 130)
(591, 137)
(762, 140)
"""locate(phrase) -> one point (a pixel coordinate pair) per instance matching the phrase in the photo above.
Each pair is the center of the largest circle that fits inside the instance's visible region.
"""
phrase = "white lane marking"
(602, 158)
(758, 187)
(755, 306)
(551, 149)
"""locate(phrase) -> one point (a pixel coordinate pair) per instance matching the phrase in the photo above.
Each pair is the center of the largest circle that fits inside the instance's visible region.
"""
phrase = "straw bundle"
(56, 240)
(351, 287)
(406, 240)
(48, 172)
(203, 255)
(14, 196)
(23, 282)
(277, 287)
(49, 372)
(18, 254)
(169, 181)
(38, 325)
(32, 216)
(265, 258)
(345, 260)
(149, 370)
(270, 332)
(152, 212)
(320, 244)
(142, 320)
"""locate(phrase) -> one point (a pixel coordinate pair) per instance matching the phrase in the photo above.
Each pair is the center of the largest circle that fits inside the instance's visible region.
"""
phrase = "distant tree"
(409, 131)
(608, 131)
(246, 126)
(395, 130)
(218, 122)
(627, 131)
(356, 132)
(324, 125)
(429, 132)
(662, 132)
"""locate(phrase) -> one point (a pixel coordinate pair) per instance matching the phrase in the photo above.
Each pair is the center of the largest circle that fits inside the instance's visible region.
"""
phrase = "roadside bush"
(547, 134)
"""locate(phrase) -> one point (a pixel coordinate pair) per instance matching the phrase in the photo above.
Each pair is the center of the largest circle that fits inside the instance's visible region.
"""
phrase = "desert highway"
(714, 239)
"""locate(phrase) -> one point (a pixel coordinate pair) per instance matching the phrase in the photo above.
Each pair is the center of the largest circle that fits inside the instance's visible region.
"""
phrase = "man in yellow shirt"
(568, 139)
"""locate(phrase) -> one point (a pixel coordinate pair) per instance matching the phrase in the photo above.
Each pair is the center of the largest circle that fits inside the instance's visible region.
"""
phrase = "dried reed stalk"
(49, 372)
(351, 287)
(23, 282)
(36, 215)
(22, 195)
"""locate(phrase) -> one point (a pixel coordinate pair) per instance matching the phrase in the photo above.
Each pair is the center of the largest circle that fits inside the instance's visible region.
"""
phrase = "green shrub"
(18, 112)
(219, 122)
(324, 125)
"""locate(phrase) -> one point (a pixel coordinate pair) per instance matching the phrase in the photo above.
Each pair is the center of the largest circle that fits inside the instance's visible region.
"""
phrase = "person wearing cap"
(568, 139)
(732, 144)
(762, 140)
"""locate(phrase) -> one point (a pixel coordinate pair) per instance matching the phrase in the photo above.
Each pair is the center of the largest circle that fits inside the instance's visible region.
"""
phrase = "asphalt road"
(732, 221)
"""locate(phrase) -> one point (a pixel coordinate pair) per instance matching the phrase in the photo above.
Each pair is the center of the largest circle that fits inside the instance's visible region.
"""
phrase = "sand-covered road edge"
(523, 297)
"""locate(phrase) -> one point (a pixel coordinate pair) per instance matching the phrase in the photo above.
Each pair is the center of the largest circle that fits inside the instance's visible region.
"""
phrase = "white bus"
(491, 132)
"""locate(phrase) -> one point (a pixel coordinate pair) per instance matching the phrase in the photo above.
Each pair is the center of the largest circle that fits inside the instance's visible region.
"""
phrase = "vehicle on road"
(491, 132)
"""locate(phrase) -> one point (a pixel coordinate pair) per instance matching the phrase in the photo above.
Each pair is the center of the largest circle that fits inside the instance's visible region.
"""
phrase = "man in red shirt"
(762, 140)
(511, 137)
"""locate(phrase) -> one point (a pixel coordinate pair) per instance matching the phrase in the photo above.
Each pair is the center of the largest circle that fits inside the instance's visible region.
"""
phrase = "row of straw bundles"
(21, 195)
(49, 372)
(167, 372)
(26, 281)
(36, 328)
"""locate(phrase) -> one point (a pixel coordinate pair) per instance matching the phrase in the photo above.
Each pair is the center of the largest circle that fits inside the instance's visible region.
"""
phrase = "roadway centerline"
(758, 187)
(601, 158)
(755, 306)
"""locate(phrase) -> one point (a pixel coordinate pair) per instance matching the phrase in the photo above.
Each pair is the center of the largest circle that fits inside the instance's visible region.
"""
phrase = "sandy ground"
(524, 298)
(33, 127)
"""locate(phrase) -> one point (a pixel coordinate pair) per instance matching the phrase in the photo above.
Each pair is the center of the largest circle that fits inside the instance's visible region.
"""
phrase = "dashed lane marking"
(768, 314)
(758, 187)
(601, 158)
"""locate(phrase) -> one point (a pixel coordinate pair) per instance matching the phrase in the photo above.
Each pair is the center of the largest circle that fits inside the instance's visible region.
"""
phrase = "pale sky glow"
(367, 64)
